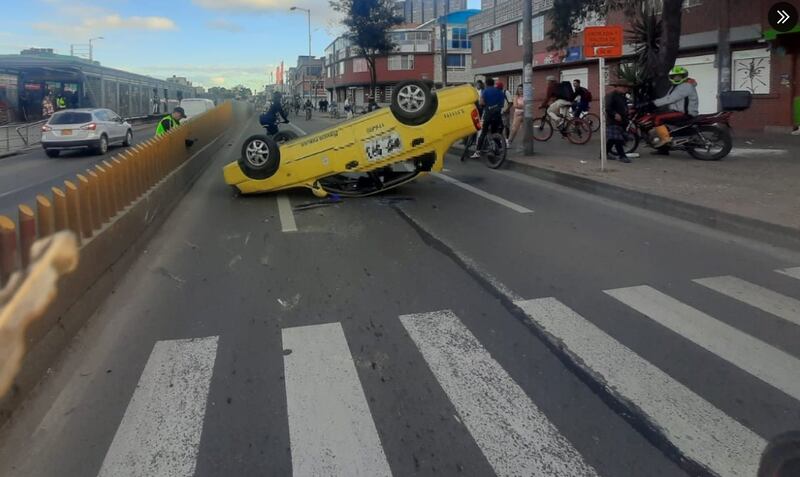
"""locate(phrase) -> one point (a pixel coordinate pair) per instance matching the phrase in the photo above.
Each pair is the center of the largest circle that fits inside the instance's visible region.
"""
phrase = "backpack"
(586, 96)
(565, 91)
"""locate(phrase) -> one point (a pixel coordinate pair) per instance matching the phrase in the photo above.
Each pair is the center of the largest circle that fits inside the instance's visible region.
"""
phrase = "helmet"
(678, 75)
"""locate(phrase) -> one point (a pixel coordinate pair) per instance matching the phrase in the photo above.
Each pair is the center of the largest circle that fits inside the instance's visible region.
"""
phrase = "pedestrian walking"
(617, 121)
(348, 108)
(47, 106)
(517, 114)
(506, 112)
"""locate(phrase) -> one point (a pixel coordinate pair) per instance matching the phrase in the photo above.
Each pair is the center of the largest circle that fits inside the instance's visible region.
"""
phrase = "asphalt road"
(413, 334)
(24, 176)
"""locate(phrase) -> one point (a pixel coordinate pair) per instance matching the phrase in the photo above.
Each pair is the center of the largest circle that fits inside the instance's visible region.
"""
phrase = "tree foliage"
(367, 23)
(654, 34)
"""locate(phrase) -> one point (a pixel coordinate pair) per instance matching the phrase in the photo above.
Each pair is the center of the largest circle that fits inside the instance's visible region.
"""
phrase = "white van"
(196, 106)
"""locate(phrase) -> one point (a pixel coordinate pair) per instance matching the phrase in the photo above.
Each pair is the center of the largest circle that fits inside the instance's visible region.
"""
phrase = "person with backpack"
(559, 97)
(581, 99)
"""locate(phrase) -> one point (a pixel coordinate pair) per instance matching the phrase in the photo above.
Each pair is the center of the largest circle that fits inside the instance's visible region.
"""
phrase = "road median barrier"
(110, 211)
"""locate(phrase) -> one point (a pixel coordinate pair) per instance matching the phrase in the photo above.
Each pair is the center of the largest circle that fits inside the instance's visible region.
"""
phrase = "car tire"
(52, 152)
(102, 146)
(413, 102)
(128, 139)
(260, 158)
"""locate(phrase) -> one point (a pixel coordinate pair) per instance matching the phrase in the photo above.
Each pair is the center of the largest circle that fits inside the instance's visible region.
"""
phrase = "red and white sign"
(602, 41)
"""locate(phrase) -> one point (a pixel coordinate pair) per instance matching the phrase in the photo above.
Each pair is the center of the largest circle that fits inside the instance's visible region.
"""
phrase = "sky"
(211, 42)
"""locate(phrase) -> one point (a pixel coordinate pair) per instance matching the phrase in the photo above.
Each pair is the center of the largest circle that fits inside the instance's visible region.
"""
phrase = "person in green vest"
(170, 121)
(61, 102)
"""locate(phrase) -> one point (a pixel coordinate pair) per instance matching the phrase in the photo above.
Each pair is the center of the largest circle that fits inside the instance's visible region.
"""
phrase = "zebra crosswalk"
(332, 430)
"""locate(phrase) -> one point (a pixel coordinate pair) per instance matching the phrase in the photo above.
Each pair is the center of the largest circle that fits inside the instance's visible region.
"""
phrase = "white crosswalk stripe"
(754, 295)
(330, 425)
(160, 432)
(791, 272)
(514, 435)
(697, 428)
(758, 358)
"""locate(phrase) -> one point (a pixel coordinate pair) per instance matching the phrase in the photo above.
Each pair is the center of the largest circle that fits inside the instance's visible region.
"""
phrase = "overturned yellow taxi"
(363, 156)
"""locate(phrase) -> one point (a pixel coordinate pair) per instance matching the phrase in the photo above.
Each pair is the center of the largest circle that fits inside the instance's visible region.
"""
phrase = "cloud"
(224, 25)
(87, 25)
(253, 76)
(321, 11)
(218, 80)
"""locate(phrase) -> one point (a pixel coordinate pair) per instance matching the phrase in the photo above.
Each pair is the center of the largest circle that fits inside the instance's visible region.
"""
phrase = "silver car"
(92, 129)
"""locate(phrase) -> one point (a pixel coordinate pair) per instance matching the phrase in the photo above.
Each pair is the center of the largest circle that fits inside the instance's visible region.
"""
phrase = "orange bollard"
(27, 233)
(73, 208)
(109, 197)
(85, 205)
(44, 216)
(8, 248)
(94, 186)
(60, 216)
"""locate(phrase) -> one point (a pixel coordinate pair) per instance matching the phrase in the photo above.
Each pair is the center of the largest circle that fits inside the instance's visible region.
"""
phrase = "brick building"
(417, 12)
(306, 78)
(762, 60)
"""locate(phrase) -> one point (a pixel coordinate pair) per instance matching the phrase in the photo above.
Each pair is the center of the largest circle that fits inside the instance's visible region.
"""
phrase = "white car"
(92, 129)
(196, 106)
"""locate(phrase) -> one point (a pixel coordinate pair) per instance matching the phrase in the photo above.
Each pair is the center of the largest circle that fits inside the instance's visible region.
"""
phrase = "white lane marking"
(697, 428)
(331, 430)
(514, 435)
(772, 302)
(160, 431)
(763, 361)
(286, 214)
(484, 194)
(744, 151)
(297, 128)
(791, 272)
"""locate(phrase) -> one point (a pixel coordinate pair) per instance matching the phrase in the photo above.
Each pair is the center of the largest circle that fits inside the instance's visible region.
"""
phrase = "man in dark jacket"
(270, 119)
(617, 121)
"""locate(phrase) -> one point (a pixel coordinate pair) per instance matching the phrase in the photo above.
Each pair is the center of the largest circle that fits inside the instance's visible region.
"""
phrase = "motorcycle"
(706, 137)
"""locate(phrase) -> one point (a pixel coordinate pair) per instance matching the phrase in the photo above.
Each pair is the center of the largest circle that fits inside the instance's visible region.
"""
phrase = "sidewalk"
(754, 191)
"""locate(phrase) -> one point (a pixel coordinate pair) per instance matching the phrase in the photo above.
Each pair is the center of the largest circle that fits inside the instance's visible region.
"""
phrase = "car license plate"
(383, 146)
(66, 132)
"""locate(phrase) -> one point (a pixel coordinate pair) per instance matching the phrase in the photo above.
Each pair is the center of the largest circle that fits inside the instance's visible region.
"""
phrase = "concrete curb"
(112, 250)
(773, 234)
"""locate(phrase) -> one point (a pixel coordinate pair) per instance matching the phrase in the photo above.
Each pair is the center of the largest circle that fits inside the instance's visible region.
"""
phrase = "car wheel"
(260, 157)
(128, 138)
(102, 146)
(413, 102)
(52, 152)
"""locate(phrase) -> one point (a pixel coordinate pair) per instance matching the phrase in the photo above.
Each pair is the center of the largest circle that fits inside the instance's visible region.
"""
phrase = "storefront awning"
(772, 34)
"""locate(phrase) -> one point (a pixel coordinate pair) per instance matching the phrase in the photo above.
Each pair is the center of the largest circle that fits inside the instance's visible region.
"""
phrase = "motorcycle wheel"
(718, 143)
(631, 141)
(496, 153)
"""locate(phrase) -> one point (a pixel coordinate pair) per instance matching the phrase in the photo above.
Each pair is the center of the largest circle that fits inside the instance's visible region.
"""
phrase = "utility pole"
(527, 76)
(443, 35)
(723, 51)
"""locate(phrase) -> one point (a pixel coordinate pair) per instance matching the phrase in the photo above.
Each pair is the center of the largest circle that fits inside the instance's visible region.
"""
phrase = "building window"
(360, 65)
(456, 62)
(458, 38)
(751, 70)
(401, 62)
(340, 68)
(491, 41)
(537, 30)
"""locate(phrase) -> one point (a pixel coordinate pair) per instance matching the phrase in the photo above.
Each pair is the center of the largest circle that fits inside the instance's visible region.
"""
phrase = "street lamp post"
(308, 12)
(91, 50)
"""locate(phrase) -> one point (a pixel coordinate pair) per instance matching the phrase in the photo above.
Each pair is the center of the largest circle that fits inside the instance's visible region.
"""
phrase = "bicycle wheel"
(496, 151)
(631, 140)
(542, 129)
(593, 120)
(469, 147)
(578, 131)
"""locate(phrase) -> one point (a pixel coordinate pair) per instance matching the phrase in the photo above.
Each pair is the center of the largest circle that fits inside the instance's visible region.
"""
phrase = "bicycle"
(333, 112)
(575, 130)
(494, 149)
(592, 119)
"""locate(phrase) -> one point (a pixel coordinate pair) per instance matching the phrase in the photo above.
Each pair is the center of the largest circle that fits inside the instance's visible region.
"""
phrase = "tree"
(656, 36)
(368, 23)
